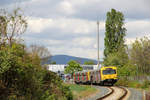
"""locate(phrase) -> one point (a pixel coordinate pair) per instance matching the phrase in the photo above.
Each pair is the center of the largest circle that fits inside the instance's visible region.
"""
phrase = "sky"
(69, 26)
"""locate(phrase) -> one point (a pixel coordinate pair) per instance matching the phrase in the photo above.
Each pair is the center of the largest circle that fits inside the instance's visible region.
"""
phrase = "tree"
(140, 55)
(119, 58)
(40, 51)
(53, 62)
(115, 32)
(12, 25)
(72, 67)
(21, 75)
(16, 72)
(89, 63)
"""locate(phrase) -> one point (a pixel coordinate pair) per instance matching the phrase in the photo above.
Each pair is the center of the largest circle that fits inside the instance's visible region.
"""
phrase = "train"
(106, 75)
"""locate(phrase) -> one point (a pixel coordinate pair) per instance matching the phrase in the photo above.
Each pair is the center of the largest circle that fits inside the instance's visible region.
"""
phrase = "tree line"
(21, 75)
(132, 59)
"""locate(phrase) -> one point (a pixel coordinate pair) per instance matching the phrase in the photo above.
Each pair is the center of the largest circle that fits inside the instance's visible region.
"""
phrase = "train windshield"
(109, 71)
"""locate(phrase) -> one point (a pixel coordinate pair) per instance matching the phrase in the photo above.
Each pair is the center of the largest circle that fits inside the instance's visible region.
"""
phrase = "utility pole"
(98, 63)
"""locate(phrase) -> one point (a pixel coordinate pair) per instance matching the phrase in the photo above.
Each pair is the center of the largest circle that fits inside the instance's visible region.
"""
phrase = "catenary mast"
(98, 62)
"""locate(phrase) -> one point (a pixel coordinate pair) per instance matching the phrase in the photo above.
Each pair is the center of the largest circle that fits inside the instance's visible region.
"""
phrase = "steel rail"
(125, 93)
(112, 91)
(108, 94)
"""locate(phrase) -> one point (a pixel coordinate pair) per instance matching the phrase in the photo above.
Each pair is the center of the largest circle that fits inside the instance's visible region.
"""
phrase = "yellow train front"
(103, 76)
(108, 75)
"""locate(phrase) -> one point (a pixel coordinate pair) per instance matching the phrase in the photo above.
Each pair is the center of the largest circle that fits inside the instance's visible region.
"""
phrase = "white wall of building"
(56, 68)
(61, 68)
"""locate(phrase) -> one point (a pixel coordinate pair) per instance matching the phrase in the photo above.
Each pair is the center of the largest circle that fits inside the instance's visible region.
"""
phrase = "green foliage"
(119, 58)
(81, 91)
(78, 88)
(133, 84)
(127, 70)
(89, 63)
(72, 67)
(115, 32)
(53, 62)
(54, 88)
(145, 84)
(67, 93)
(131, 62)
(40, 51)
(122, 82)
(21, 75)
(122, 61)
(140, 55)
(16, 72)
(136, 64)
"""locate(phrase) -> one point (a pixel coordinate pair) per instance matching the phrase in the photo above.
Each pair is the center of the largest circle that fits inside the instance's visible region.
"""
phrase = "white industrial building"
(61, 68)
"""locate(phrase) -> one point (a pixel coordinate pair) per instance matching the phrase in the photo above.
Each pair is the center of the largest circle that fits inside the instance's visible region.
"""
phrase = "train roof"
(96, 69)
(109, 67)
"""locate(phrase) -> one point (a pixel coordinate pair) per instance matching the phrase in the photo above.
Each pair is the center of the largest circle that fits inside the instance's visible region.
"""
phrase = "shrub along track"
(120, 97)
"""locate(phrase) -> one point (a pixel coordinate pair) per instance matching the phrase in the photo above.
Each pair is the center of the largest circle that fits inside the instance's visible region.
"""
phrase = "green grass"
(81, 91)
(134, 84)
(80, 88)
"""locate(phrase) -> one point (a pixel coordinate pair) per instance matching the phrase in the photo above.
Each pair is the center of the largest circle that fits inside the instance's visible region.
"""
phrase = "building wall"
(61, 68)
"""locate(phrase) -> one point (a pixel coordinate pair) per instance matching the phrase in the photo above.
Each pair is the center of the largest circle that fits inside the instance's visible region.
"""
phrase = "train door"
(91, 77)
(74, 76)
(86, 77)
(82, 77)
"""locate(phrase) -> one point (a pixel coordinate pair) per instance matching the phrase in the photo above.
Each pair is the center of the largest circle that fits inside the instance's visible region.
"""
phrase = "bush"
(133, 84)
(122, 82)
(67, 92)
(145, 84)
(21, 75)
(23, 78)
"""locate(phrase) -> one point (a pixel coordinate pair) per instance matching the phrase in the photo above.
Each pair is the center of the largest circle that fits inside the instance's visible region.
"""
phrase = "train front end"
(109, 75)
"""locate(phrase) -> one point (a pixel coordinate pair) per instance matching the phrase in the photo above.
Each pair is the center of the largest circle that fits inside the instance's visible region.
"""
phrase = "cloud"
(69, 26)
(67, 47)
(66, 7)
(42, 41)
(129, 41)
(37, 25)
(97, 9)
(137, 28)
(66, 25)
(84, 42)
(74, 34)
(85, 9)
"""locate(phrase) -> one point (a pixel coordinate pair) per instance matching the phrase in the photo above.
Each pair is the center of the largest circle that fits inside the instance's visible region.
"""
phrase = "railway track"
(113, 93)
(125, 93)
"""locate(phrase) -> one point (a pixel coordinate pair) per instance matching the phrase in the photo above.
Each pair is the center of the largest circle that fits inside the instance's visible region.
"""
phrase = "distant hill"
(64, 59)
